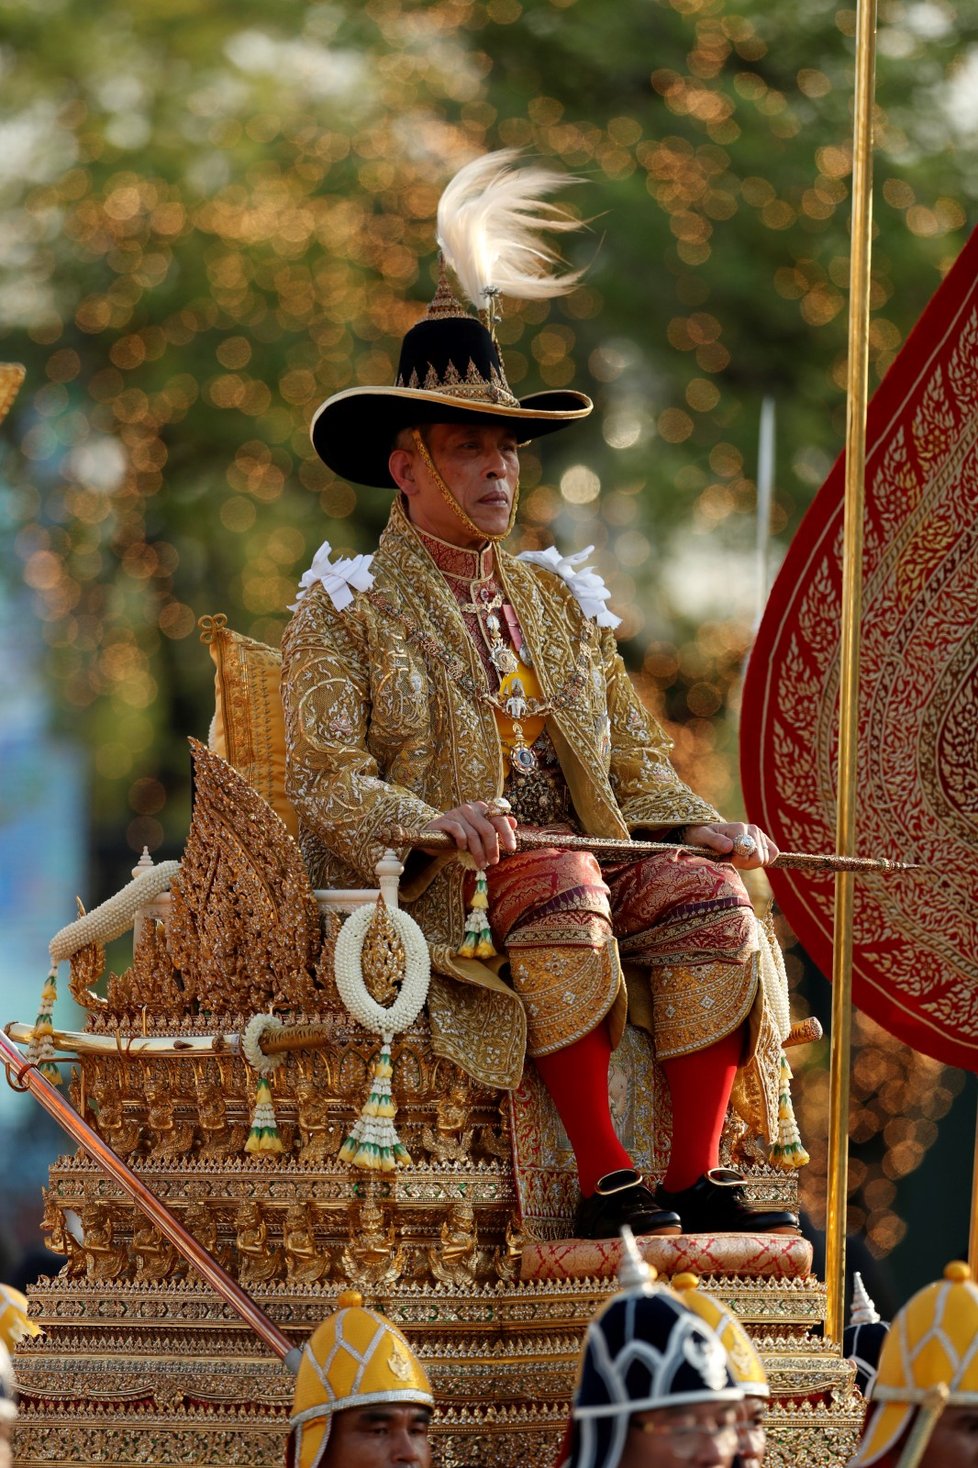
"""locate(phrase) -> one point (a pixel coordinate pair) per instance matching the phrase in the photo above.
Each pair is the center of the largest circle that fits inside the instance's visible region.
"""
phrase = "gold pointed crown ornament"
(491, 217)
(356, 1358)
(933, 1341)
(745, 1363)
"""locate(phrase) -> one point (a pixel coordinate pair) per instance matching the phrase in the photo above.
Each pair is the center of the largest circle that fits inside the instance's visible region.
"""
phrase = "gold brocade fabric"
(693, 1006)
(378, 735)
(567, 991)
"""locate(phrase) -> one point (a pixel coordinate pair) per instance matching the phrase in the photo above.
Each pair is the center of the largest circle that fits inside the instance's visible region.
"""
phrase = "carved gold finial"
(383, 958)
(444, 302)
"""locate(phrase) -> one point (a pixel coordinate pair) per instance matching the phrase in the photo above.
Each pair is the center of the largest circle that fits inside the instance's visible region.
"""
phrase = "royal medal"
(522, 760)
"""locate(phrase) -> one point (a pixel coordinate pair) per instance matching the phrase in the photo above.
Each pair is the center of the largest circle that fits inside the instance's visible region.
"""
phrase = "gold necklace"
(522, 758)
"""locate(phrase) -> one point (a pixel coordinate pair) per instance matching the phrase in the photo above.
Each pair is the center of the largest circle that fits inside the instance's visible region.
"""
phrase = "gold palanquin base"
(140, 1364)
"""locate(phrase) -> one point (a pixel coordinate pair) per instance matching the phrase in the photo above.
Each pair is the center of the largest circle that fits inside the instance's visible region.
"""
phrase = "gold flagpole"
(973, 1234)
(857, 390)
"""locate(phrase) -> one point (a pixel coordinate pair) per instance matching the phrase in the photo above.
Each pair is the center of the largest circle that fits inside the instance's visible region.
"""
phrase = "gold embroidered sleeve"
(332, 778)
(649, 792)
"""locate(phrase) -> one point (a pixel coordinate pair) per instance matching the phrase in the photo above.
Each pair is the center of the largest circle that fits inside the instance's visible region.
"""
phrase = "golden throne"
(467, 1248)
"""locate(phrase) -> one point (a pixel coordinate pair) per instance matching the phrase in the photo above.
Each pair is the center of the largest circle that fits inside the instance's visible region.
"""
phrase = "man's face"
(954, 1441)
(750, 1427)
(380, 1436)
(701, 1435)
(479, 463)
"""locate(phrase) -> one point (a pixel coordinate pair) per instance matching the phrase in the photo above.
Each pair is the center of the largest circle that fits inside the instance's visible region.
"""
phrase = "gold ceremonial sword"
(610, 848)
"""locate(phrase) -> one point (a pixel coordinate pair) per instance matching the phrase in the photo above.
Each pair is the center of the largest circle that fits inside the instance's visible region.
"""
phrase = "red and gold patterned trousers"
(685, 919)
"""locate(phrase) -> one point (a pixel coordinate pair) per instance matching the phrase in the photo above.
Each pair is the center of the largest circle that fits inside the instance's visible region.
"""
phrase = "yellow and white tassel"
(373, 1144)
(41, 1049)
(788, 1151)
(263, 1136)
(477, 942)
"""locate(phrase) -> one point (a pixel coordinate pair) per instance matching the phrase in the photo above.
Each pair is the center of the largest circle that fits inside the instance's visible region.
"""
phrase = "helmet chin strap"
(447, 495)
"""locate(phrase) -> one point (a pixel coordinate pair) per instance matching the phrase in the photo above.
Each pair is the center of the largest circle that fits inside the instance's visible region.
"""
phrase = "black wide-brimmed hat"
(450, 370)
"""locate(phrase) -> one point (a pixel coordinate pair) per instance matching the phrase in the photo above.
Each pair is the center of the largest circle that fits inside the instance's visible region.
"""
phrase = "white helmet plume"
(489, 221)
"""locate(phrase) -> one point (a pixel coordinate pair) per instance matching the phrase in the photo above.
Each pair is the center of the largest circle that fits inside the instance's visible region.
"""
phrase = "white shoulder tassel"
(341, 578)
(489, 221)
(584, 583)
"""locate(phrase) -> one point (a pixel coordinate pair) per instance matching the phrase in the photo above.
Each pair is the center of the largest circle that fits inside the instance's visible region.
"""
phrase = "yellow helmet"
(15, 1323)
(745, 1363)
(355, 1358)
(933, 1339)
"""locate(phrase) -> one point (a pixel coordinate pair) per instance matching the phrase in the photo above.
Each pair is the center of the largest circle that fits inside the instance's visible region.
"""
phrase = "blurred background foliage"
(216, 214)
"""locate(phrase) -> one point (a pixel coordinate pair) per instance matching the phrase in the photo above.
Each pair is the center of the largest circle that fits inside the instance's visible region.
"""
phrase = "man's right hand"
(477, 830)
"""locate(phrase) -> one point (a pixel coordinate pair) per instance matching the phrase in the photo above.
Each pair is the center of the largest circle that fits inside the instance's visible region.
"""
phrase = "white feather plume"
(489, 222)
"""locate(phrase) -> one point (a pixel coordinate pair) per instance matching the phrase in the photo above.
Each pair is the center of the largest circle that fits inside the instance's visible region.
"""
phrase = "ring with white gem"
(744, 845)
(349, 972)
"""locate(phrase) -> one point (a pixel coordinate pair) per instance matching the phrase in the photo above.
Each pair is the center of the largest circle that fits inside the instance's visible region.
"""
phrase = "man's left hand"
(733, 838)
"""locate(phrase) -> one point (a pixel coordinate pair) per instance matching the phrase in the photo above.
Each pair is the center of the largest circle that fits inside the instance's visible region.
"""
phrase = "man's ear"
(401, 465)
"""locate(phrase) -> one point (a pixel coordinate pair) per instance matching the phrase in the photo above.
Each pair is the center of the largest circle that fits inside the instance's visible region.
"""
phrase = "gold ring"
(498, 806)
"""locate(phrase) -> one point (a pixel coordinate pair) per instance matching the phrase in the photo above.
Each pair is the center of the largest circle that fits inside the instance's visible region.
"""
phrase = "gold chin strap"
(447, 495)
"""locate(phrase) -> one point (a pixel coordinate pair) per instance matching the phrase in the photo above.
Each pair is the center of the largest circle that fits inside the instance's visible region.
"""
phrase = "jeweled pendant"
(522, 760)
(503, 660)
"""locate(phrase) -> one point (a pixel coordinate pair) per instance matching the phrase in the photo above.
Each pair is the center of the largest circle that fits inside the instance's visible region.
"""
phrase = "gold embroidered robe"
(378, 735)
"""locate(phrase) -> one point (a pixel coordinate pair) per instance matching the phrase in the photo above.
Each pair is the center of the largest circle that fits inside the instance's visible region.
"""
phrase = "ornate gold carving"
(506, 1260)
(320, 1134)
(258, 1259)
(373, 1256)
(155, 1256)
(382, 959)
(304, 1259)
(218, 1138)
(105, 1258)
(450, 1140)
(168, 1137)
(123, 1133)
(200, 1221)
(244, 928)
(455, 1259)
(58, 1239)
(149, 985)
(86, 968)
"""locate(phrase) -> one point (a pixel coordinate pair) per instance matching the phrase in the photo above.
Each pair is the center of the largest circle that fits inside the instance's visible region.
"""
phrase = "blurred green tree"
(215, 216)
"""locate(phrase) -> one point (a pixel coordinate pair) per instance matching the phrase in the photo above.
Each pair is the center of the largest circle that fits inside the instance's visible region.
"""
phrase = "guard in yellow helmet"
(362, 1399)
(932, 1344)
(15, 1323)
(745, 1367)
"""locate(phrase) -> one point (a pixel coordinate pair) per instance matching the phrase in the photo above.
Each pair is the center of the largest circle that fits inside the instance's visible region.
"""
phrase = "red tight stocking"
(577, 1079)
(700, 1086)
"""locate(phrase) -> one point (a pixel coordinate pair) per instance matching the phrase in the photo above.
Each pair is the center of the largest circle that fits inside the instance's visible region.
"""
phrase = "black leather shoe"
(622, 1197)
(715, 1204)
